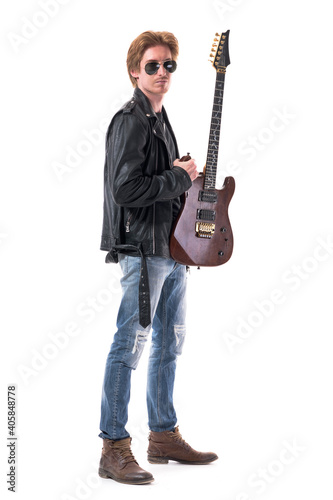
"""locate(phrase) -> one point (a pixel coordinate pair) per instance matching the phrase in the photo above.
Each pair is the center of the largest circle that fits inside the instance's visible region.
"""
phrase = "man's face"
(159, 83)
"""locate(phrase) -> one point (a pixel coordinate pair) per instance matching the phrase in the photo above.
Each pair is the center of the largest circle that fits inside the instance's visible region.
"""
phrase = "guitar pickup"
(206, 214)
(204, 229)
(208, 196)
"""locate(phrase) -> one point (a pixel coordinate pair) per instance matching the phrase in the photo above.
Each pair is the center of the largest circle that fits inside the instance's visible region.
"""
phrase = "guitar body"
(202, 234)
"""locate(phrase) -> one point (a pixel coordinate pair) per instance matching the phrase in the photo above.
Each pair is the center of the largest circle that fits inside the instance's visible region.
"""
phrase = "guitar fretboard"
(214, 134)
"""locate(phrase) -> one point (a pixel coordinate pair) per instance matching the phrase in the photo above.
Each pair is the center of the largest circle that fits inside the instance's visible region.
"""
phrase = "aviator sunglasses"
(152, 67)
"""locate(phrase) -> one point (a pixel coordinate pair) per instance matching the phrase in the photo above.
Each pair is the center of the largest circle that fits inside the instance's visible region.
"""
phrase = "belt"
(144, 293)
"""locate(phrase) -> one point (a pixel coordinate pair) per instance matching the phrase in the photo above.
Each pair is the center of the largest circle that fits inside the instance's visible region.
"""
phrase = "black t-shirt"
(167, 136)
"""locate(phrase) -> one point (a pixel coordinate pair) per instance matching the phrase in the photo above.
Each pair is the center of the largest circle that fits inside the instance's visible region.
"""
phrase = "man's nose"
(161, 71)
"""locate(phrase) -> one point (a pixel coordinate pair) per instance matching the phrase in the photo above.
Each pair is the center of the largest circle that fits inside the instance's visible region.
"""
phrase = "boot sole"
(107, 475)
(165, 460)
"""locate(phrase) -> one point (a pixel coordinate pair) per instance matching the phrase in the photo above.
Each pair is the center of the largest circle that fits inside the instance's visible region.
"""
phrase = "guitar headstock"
(220, 52)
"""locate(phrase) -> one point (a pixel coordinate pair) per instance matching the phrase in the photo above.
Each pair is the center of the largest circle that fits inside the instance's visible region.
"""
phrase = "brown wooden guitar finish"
(202, 234)
(188, 248)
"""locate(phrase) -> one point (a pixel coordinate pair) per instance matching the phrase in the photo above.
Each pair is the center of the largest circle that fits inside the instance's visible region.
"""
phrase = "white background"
(255, 375)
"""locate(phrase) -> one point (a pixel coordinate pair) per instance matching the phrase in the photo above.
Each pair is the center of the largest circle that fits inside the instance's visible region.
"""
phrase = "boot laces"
(125, 452)
(176, 435)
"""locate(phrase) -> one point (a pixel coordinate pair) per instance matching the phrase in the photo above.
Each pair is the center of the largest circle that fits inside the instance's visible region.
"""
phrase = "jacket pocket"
(130, 219)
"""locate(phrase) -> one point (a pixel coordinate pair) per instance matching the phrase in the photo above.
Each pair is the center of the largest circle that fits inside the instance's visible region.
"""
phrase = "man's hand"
(190, 166)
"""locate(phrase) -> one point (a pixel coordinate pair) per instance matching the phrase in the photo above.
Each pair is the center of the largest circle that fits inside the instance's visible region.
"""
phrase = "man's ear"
(134, 73)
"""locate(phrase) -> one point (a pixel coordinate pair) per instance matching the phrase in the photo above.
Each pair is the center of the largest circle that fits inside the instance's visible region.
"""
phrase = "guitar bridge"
(204, 229)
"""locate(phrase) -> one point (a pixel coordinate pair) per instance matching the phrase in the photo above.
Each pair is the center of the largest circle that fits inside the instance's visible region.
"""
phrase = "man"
(143, 183)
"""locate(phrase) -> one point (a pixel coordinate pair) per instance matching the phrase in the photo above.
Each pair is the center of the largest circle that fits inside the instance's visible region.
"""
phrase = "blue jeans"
(167, 283)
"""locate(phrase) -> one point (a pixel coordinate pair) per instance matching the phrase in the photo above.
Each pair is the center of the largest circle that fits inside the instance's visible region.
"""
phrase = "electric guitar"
(202, 234)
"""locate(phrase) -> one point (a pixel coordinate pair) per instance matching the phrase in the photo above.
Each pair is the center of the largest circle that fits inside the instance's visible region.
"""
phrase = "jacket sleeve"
(125, 157)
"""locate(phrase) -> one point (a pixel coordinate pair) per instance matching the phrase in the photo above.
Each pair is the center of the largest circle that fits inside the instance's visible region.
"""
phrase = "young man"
(143, 183)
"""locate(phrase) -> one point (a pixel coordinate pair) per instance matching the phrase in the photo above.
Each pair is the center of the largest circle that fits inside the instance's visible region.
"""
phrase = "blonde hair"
(143, 42)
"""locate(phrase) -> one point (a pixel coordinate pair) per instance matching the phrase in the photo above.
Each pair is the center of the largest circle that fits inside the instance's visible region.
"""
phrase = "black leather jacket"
(141, 186)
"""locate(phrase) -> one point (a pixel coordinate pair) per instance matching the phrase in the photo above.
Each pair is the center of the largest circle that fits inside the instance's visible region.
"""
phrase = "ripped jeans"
(167, 282)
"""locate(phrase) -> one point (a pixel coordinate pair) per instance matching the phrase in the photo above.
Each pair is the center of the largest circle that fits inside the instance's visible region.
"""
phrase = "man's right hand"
(189, 166)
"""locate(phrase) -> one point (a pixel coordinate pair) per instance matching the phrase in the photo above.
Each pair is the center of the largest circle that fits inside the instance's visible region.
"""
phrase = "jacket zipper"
(154, 229)
(127, 225)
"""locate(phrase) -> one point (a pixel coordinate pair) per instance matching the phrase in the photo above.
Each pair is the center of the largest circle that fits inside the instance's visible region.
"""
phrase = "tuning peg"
(216, 39)
(211, 55)
(214, 44)
(217, 34)
(219, 52)
(224, 37)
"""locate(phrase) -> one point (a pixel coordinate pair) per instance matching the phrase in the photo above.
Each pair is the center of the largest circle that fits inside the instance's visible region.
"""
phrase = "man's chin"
(162, 88)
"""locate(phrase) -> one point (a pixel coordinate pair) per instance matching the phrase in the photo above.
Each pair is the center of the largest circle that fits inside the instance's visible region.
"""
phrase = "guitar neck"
(214, 134)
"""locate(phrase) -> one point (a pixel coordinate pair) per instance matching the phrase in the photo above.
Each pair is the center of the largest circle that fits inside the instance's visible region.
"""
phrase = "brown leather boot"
(169, 445)
(118, 463)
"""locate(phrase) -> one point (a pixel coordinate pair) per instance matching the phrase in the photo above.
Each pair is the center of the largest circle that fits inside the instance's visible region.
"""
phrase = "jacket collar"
(145, 103)
(147, 108)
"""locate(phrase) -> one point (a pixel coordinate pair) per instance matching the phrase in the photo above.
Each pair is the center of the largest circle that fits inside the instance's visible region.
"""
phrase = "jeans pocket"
(123, 261)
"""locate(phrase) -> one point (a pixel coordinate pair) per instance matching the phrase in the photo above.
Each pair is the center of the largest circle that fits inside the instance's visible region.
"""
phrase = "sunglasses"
(152, 67)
